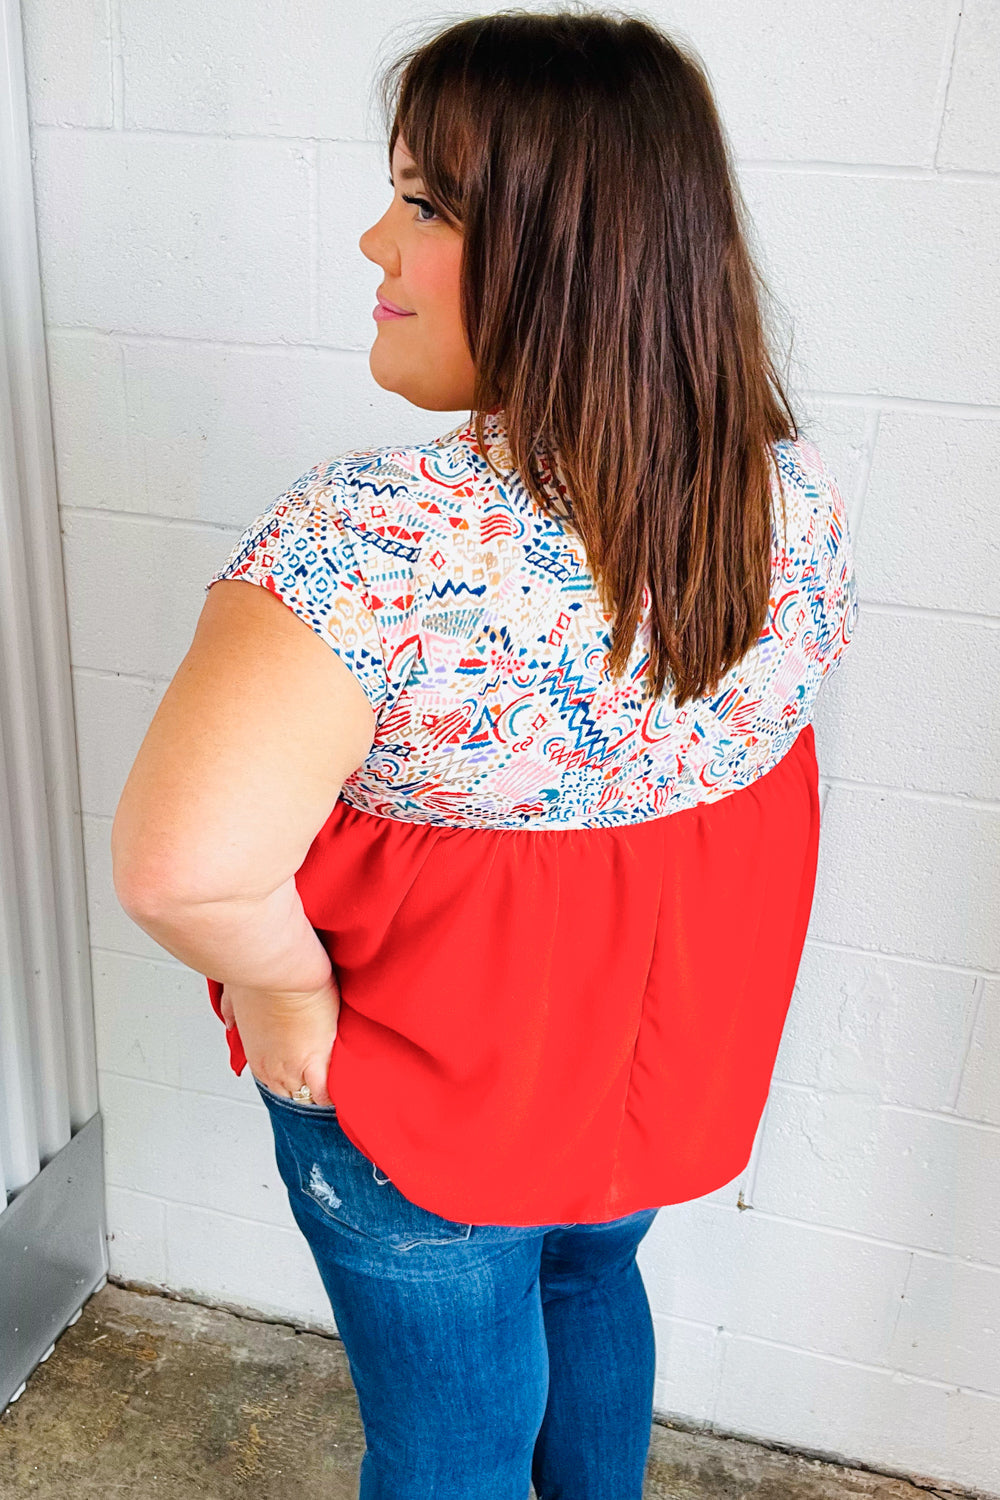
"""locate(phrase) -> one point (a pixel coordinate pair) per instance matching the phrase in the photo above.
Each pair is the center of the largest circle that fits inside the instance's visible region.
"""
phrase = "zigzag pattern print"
(473, 623)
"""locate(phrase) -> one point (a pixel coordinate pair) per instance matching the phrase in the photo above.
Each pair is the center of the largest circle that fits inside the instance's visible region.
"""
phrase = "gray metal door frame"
(53, 1236)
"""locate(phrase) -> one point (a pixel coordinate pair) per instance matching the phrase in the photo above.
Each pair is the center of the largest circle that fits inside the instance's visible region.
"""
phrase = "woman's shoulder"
(810, 506)
(405, 468)
(420, 487)
(400, 494)
(802, 467)
(814, 556)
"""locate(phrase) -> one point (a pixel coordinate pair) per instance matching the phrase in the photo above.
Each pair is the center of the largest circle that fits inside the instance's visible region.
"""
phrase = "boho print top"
(565, 917)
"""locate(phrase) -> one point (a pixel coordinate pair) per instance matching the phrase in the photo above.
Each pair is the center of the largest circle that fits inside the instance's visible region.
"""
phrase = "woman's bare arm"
(243, 761)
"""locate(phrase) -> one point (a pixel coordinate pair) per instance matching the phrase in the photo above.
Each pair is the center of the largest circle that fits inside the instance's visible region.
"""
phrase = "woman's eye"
(422, 203)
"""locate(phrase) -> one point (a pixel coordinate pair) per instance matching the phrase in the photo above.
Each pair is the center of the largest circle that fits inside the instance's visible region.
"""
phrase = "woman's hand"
(287, 1035)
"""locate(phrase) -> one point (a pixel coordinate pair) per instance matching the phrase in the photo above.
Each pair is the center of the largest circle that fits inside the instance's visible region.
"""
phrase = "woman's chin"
(428, 394)
(381, 370)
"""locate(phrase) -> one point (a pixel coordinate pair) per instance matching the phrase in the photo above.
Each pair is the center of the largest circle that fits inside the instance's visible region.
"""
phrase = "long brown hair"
(612, 310)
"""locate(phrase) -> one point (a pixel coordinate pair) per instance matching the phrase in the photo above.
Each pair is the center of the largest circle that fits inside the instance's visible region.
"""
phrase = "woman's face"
(423, 357)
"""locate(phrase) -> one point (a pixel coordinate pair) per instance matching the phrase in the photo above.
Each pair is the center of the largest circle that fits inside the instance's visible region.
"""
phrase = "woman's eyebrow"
(407, 174)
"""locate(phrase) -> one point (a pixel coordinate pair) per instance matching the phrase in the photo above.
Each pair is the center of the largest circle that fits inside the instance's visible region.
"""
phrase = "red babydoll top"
(565, 918)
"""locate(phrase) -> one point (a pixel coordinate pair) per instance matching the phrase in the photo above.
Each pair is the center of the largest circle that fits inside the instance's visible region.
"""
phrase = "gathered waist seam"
(584, 827)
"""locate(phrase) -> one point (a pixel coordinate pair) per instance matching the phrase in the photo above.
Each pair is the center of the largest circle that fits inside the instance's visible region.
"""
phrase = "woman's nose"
(376, 246)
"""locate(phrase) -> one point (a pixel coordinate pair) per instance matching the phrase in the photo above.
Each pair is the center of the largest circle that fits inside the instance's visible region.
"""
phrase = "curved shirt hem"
(514, 1048)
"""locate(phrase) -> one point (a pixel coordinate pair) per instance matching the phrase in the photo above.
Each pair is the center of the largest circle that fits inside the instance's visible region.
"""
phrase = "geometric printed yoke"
(473, 623)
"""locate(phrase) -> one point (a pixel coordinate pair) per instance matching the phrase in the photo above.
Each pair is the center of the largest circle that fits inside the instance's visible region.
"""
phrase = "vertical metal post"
(53, 1243)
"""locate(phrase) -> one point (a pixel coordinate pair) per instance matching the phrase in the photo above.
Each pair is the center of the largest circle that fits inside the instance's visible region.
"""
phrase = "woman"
(494, 802)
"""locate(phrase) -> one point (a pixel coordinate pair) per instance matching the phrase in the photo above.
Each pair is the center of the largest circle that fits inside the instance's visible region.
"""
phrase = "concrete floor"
(167, 1400)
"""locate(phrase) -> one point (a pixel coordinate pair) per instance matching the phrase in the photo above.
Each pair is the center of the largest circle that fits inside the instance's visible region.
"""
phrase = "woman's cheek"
(436, 277)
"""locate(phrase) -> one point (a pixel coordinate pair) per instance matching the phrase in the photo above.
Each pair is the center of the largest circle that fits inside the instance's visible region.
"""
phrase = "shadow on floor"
(168, 1400)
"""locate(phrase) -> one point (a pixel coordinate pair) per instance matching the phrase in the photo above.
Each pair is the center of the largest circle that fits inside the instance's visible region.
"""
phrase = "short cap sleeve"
(303, 549)
(838, 608)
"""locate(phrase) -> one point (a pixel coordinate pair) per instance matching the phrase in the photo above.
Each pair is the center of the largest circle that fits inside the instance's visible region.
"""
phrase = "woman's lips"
(384, 309)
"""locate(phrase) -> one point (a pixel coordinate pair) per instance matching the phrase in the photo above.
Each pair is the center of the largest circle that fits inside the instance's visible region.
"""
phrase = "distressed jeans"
(485, 1358)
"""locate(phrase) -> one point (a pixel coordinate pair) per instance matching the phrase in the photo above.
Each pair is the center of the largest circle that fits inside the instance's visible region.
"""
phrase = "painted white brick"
(923, 1180)
(155, 571)
(879, 275)
(855, 1415)
(882, 1027)
(260, 70)
(89, 419)
(979, 1095)
(931, 529)
(949, 1324)
(354, 193)
(687, 1356)
(852, 82)
(901, 874)
(217, 433)
(198, 431)
(180, 274)
(135, 1006)
(136, 1240)
(906, 707)
(193, 238)
(243, 1264)
(203, 1049)
(971, 134)
(191, 1148)
(67, 61)
(155, 1021)
(748, 1273)
(112, 716)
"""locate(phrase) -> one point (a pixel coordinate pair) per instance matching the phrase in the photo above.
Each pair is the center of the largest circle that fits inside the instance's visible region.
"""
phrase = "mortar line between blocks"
(864, 1364)
(979, 991)
(944, 81)
(889, 1106)
(918, 405)
(904, 958)
(117, 64)
(790, 164)
(862, 1237)
(723, 1339)
(897, 172)
(750, 1174)
(312, 157)
(916, 794)
(928, 612)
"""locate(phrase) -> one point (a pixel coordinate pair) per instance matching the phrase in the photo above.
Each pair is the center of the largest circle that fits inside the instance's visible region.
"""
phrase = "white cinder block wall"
(202, 176)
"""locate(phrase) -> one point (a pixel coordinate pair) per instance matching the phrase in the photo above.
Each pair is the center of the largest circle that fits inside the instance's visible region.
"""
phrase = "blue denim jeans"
(485, 1358)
